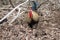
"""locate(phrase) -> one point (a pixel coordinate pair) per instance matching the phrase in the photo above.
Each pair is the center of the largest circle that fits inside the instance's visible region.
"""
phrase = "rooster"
(32, 14)
(32, 17)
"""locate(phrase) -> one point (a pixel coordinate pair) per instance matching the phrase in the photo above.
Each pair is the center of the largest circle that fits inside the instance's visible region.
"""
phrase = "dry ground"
(48, 27)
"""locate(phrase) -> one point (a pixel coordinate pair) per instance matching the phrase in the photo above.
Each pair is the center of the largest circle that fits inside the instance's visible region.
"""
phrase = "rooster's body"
(32, 14)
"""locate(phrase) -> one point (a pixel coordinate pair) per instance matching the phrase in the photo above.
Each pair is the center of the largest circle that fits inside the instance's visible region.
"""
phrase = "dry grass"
(48, 27)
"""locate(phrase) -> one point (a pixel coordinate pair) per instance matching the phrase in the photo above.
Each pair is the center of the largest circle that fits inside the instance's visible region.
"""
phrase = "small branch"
(11, 4)
(13, 10)
(6, 8)
(16, 16)
(40, 5)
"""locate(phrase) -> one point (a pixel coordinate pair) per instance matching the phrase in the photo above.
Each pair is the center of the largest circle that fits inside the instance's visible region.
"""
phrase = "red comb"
(30, 14)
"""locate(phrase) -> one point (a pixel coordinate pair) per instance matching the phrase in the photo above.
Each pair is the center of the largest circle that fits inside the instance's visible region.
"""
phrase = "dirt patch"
(48, 27)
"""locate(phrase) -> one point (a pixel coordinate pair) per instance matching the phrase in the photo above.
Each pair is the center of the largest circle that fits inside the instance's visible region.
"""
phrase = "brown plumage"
(35, 16)
(31, 15)
(31, 18)
(27, 18)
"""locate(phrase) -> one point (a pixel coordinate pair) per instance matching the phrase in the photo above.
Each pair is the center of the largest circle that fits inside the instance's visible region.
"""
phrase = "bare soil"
(48, 27)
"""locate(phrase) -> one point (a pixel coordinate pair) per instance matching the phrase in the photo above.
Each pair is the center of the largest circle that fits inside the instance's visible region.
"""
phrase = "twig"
(6, 8)
(15, 16)
(11, 4)
(41, 4)
(13, 10)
